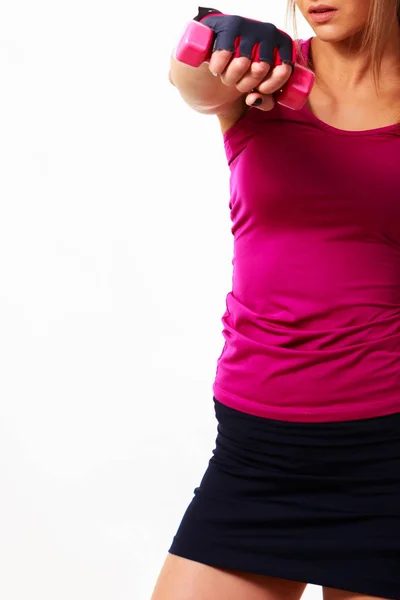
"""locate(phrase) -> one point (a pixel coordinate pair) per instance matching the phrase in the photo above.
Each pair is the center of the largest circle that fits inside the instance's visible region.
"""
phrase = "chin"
(335, 34)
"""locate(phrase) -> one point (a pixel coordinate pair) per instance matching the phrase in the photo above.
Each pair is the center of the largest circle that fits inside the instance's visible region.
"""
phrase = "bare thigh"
(330, 594)
(182, 579)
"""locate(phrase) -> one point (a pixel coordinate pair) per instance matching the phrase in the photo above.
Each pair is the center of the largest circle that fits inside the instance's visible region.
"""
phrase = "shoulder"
(303, 48)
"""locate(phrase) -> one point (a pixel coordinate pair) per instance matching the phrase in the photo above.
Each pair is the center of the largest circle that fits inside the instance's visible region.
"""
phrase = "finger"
(276, 79)
(219, 60)
(253, 77)
(267, 50)
(236, 70)
(226, 39)
(267, 102)
(286, 48)
(246, 46)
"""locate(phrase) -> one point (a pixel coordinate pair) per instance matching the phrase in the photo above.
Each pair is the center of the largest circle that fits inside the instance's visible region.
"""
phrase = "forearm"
(200, 89)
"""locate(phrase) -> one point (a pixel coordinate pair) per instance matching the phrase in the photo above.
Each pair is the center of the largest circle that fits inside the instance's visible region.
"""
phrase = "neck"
(346, 65)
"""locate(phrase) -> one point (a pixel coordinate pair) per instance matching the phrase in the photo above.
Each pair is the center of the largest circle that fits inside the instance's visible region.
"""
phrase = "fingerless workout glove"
(254, 40)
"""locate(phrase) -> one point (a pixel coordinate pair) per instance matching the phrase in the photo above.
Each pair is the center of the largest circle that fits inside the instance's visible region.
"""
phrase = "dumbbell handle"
(195, 48)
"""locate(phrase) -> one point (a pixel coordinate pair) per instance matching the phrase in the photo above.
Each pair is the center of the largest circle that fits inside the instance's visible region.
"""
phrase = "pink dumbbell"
(195, 48)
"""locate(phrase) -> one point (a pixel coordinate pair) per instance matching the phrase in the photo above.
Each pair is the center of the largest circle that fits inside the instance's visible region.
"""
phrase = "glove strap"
(206, 12)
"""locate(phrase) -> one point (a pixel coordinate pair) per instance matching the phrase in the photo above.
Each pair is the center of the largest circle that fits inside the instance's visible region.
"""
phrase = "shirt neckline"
(394, 128)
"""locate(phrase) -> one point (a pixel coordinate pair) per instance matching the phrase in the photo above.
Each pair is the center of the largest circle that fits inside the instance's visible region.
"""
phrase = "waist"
(307, 282)
(280, 371)
(324, 328)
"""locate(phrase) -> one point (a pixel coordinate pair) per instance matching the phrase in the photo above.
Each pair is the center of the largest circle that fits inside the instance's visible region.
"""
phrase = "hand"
(256, 57)
(256, 79)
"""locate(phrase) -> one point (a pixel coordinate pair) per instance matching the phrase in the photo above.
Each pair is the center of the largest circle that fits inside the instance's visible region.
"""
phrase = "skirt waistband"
(346, 433)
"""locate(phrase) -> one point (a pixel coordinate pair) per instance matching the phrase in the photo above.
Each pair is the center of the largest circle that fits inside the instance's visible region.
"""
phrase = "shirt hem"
(306, 415)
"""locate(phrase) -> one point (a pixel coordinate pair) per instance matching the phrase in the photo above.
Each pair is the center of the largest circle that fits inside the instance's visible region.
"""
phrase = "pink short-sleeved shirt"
(312, 324)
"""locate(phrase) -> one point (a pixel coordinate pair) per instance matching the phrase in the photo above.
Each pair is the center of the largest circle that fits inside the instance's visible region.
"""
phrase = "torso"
(312, 326)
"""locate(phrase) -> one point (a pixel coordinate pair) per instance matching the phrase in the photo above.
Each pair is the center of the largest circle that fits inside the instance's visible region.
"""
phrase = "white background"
(115, 260)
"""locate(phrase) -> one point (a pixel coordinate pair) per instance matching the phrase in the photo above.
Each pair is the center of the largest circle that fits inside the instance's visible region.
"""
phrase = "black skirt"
(311, 502)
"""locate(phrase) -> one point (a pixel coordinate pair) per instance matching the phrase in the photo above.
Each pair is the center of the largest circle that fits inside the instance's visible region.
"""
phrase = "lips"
(321, 8)
(322, 13)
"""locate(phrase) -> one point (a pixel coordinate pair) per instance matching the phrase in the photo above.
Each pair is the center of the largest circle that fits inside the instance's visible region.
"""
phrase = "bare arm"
(206, 93)
(201, 90)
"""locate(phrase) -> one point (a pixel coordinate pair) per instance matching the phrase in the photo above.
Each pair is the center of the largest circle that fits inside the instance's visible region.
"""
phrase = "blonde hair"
(375, 32)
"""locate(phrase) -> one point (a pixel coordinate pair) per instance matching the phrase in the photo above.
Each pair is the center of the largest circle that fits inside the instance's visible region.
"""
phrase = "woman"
(304, 483)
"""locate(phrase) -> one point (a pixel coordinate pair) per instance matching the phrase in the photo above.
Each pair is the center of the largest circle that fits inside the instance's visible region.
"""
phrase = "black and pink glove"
(212, 30)
(251, 39)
